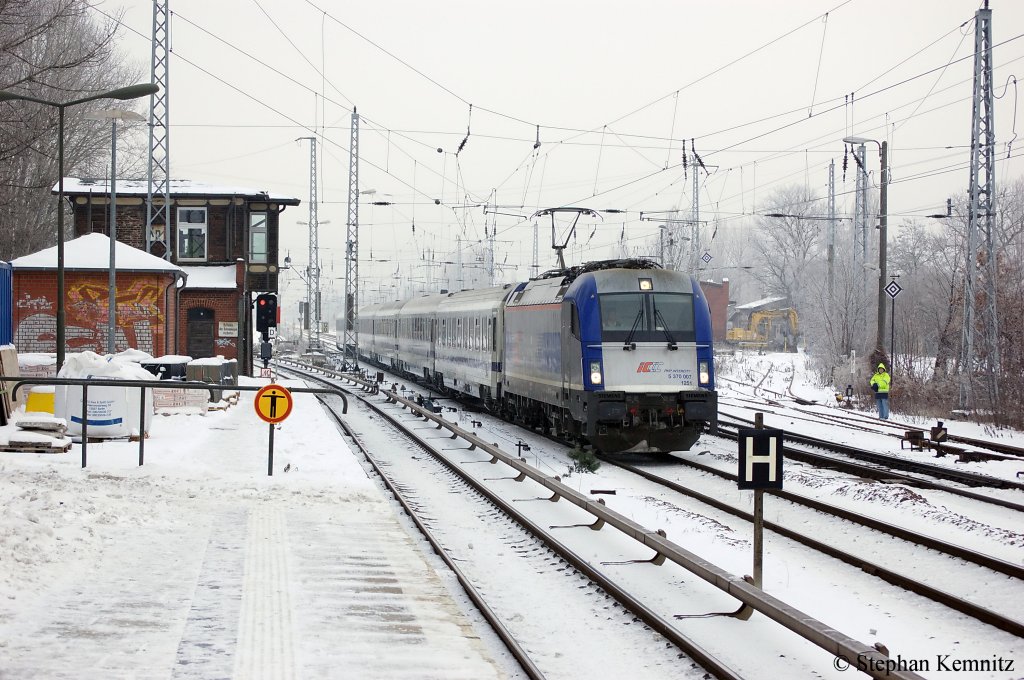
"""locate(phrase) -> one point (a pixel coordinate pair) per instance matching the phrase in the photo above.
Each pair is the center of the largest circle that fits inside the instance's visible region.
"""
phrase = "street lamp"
(883, 148)
(124, 93)
(114, 115)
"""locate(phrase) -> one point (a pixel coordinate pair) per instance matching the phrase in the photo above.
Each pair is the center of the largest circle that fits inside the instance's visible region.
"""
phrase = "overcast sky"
(764, 90)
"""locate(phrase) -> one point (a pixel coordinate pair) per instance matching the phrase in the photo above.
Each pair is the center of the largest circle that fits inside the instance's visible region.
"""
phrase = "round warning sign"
(273, 403)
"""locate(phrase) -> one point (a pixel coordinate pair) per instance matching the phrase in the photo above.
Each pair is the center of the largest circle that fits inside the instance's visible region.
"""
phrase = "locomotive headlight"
(703, 372)
(595, 372)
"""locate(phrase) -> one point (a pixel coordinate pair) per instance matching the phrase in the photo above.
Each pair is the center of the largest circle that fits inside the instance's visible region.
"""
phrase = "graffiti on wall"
(139, 319)
(34, 303)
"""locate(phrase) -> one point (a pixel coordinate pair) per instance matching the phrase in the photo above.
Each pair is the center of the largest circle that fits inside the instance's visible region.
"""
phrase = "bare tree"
(55, 50)
(790, 246)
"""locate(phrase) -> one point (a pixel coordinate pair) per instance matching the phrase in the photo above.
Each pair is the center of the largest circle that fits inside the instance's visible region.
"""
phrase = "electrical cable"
(534, 160)
(817, 72)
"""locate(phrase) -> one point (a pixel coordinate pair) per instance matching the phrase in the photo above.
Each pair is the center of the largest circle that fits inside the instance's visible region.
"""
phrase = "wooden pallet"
(35, 448)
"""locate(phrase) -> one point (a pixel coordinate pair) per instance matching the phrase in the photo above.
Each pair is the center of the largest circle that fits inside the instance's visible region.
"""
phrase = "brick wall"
(224, 303)
(718, 301)
(142, 319)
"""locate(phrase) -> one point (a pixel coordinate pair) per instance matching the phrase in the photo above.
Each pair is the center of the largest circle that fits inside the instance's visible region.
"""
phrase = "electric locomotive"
(615, 353)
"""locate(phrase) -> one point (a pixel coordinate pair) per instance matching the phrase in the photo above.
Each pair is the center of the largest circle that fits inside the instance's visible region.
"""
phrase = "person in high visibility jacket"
(880, 383)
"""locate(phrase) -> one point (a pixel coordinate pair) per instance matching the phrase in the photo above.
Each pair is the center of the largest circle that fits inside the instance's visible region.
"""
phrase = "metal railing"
(143, 385)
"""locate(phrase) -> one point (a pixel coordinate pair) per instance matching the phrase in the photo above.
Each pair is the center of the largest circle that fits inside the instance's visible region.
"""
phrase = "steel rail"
(939, 545)
(952, 601)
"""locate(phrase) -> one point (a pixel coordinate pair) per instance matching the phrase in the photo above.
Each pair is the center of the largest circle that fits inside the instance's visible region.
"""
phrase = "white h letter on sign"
(768, 460)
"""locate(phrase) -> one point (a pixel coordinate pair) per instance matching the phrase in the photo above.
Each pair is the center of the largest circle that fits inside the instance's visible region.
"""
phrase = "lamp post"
(114, 115)
(883, 208)
(124, 93)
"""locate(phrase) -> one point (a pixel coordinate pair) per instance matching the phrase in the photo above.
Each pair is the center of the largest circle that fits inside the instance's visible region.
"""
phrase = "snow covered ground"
(166, 550)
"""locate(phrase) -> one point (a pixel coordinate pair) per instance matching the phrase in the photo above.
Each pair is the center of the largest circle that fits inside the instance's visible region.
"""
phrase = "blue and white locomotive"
(615, 353)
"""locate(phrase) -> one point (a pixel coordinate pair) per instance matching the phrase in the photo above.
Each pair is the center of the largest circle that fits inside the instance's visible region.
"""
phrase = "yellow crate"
(40, 401)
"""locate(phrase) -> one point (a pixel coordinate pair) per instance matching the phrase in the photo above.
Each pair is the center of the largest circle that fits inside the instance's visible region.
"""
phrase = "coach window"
(476, 333)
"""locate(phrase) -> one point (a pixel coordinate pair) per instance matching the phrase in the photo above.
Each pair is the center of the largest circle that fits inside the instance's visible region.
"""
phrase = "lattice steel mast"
(158, 221)
(980, 269)
(313, 269)
(351, 340)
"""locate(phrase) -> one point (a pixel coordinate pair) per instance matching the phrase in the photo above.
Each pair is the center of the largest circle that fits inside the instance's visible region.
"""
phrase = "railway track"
(983, 449)
(466, 462)
(866, 563)
(884, 467)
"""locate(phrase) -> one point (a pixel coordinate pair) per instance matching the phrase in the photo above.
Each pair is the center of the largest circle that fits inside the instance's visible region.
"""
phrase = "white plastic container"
(112, 411)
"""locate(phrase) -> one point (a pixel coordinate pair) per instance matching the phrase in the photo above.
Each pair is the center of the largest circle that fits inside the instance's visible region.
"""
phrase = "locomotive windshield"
(647, 317)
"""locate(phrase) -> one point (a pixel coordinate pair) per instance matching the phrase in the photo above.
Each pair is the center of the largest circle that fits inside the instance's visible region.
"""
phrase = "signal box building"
(220, 245)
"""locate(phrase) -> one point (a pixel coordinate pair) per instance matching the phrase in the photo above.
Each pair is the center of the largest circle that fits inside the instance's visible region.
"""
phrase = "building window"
(191, 233)
(258, 237)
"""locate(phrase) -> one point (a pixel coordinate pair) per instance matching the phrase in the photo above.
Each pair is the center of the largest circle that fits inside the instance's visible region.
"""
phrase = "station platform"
(199, 565)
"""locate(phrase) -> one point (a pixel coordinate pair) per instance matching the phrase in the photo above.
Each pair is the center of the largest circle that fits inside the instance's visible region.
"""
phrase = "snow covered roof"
(211, 277)
(178, 187)
(92, 251)
(763, 302)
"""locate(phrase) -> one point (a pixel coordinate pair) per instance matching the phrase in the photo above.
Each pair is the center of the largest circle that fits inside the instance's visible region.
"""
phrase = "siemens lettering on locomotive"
(616, 353)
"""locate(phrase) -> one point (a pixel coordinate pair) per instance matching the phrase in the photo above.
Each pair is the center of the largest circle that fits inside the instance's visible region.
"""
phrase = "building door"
(200, 332)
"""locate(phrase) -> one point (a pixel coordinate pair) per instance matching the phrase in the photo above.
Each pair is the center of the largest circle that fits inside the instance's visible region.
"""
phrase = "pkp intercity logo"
(650, 367)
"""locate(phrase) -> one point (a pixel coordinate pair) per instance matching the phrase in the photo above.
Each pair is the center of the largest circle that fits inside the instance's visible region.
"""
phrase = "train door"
(570, 333)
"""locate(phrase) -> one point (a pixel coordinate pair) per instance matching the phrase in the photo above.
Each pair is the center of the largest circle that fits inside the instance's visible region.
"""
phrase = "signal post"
(266, 324)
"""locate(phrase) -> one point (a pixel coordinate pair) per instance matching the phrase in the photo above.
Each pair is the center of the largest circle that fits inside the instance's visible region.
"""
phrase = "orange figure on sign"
(273, 403)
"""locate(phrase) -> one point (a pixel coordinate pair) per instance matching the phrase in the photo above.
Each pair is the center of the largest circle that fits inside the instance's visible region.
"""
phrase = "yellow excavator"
(772, 329)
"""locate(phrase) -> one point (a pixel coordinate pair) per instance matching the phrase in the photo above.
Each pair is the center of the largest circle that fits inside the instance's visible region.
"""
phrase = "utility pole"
(883, 244)
(535, 267)
(883, 222)
(980, 267)
(351, 339)
(490, 245)
(458, 261)
(695, 221)
(831, 228)
(860, 215)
